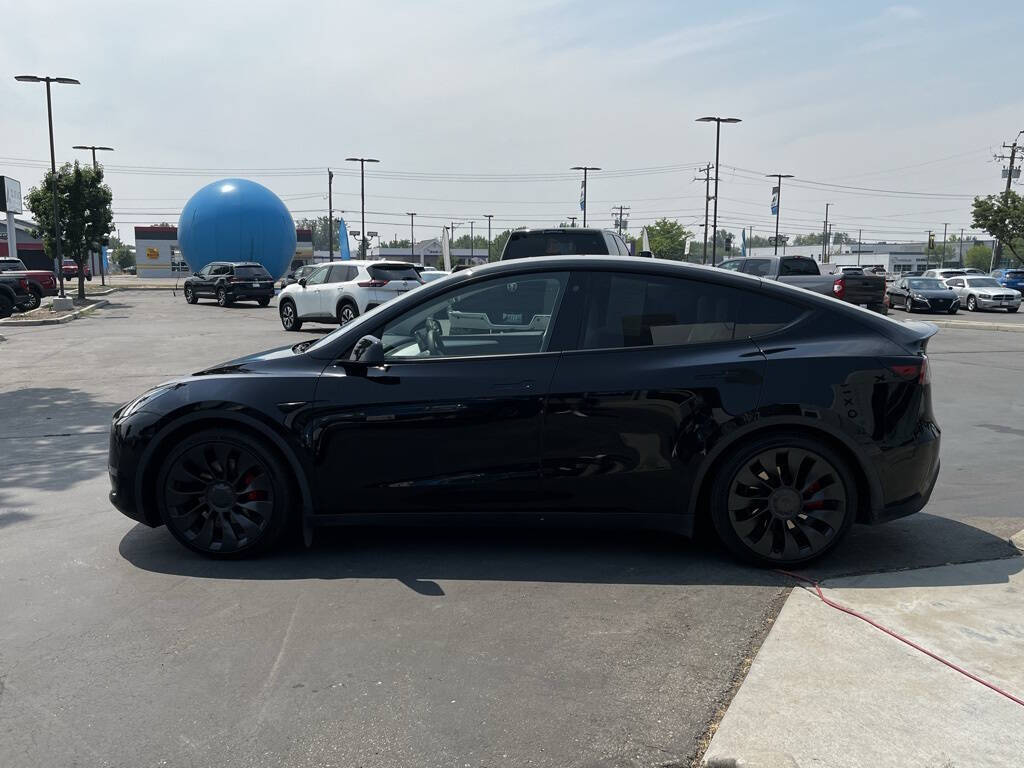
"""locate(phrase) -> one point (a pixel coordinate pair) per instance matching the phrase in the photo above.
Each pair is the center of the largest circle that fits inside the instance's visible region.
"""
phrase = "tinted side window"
(253, 273)
(221, 269)
(733, 265)
(317, 276)
(641, 311)
(337, 273)
(795, 266)
(759, 267)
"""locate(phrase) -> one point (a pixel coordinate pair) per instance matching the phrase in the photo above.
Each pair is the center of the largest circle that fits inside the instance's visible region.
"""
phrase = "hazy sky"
(504, 97)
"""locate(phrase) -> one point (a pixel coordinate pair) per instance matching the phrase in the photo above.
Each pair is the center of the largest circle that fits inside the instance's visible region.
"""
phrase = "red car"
(71, 270)
(41, 282)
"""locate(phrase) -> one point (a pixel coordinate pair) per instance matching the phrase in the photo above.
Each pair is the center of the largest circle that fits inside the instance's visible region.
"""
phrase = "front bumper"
(128, 438)
(985, 303)
(935, 305)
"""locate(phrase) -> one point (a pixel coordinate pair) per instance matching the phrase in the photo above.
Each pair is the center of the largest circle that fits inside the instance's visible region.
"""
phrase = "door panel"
(625, 429)
(431, 435)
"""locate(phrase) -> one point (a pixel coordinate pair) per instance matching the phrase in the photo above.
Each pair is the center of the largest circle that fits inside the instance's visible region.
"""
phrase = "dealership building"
(157, 253)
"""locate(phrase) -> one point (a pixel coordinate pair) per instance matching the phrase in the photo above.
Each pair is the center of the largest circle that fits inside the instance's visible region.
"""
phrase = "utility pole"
(858, 246)
(585, 169)
(619, 219)
(943, 262)
(824, 237)
(707, 198)
(93, 147)
(412, 238)
(961, 257)
(471, 251)
(928, 251)
(330, 215)
(778, 202)
(997, 253)
(488, 216)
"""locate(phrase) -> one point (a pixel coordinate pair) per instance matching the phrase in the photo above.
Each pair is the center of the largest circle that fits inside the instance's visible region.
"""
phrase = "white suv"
(340, 291)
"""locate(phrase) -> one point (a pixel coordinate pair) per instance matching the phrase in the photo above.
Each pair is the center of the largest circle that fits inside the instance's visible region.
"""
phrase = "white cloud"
(903, 12)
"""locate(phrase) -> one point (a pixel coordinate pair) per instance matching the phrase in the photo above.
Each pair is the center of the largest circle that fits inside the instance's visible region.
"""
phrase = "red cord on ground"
(891, 633)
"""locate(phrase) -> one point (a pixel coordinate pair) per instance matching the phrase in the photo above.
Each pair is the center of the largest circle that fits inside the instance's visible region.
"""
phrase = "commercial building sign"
(153, 253)
(12, 195)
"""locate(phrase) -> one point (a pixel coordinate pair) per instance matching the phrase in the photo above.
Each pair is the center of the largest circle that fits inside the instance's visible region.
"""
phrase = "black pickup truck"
(864, 290)
(14, 293)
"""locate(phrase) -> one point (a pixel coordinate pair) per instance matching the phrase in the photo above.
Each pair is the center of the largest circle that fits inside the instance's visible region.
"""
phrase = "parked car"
(923, 294)
(1010, 278)
(984, 293)
(974, 272)
(430, 275)
(300, 272)
(563, 241)
(340, 291)
(14, 293)
(943, 274)
(864, 290)
(647, 392)
(230, 281)
(70, 269)
(41, 282)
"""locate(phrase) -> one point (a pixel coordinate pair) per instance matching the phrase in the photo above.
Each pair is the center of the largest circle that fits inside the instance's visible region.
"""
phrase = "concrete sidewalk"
(828, 689)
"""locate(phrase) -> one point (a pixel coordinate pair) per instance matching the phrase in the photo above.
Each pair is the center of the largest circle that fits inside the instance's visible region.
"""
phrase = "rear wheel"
(265, 301)
(222, 298)
(347, 312)
(783, 500)
(289, 317)
(222, 495)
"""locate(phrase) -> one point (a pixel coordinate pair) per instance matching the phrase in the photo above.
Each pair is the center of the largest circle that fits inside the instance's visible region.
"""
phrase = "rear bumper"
(910, 477)
(241, 294)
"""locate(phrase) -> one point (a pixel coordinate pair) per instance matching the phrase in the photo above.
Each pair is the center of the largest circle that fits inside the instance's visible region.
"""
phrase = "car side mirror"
(302, 282)
(195, 274)
(369, 351)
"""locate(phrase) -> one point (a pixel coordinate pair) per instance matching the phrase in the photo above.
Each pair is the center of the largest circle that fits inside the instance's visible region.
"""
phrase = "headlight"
(140, 402)
(917, 297)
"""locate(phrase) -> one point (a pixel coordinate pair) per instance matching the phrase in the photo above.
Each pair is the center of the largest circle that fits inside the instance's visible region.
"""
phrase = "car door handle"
(731, 376)
(515, 386)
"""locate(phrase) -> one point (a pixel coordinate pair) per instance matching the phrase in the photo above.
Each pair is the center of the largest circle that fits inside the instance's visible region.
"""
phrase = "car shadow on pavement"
(424, 558)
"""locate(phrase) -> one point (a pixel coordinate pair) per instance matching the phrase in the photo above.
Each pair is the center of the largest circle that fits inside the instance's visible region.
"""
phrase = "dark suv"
(231, 281)
(563, 241)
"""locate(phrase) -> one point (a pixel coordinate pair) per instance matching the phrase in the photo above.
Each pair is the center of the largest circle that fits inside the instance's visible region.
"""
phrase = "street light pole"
(585, 169)
(471, 251)
(945, 226)
(93, 147)
(778, 203)
(330, 215)
(58, 258)
(412, 237)
(362, 196)
(718, 135)
(824, 237)
(489, 216)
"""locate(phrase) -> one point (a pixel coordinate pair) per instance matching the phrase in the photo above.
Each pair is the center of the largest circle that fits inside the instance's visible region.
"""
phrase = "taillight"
(376, 283)
(839, 287)
(919, 371)
(23, 283)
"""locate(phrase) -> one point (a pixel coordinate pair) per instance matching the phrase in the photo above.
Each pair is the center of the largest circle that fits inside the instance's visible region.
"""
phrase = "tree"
(1002, 216)
(121, 254)
(668, 239)
(978, 256)
(498, 245)
(814, 238)
(85, 216)
(319, 227)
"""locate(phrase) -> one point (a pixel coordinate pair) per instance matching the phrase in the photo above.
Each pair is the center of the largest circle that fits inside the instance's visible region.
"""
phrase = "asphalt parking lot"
(392, 647)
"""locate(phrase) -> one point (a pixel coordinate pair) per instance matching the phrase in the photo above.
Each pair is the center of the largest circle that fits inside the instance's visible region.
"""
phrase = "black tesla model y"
(589, 389)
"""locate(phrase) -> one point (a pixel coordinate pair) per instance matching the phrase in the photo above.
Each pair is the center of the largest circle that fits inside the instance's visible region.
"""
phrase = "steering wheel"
(434, 342)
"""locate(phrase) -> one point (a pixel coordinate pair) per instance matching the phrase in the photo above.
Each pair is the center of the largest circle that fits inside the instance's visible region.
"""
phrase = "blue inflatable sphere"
(237, 220)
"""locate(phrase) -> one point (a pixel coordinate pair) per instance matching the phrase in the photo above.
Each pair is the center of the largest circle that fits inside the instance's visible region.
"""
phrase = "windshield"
(926, 284)
(526, 244)
(983, 282)
(1015, 274)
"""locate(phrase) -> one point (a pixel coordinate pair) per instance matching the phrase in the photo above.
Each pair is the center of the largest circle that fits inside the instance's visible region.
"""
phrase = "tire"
(972, 304)
(222, 495)
(289, 316)
(37, 299)
(1012, 310)
(953, 310)
(264, 302)
(222, 298)
(6, 306)
(347, 312)
(190, 295)
(767, 518)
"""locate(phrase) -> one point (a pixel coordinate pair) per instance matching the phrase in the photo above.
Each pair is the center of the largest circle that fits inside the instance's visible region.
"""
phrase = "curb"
(961, 326)
(766, 760)
(56, 320)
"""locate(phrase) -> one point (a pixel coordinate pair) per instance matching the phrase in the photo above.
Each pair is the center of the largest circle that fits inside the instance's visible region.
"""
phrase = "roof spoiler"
(913, 334)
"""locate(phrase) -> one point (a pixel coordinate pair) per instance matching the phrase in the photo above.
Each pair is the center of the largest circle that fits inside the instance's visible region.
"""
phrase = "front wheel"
(972, 304)
(1011, 310)
(190, 295)
(783, 500)
(954, 310)
(6, 306)
(347, 312)
(289, 317)
(221, 494)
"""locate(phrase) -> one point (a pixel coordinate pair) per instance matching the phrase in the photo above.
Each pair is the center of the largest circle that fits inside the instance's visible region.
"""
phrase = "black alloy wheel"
(222, 297)
(263, 302)
(37, 299)
(190, 295)
(221, 495)
(783, 501)
(347, 312)
(289, 317)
